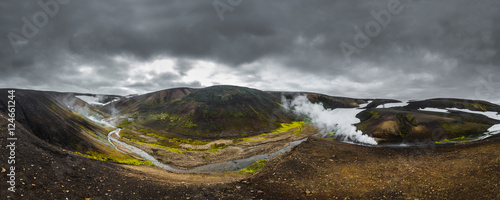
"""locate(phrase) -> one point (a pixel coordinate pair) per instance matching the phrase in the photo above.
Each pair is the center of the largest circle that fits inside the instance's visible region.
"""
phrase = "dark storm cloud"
(429, 49)
(183, 66)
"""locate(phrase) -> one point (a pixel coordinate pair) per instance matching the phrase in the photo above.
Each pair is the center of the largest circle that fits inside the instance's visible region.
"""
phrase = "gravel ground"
(317, 169)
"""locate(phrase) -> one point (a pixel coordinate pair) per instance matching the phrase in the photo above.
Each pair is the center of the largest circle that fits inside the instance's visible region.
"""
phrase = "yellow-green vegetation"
(249, 139)
(214, 148)
(177, 140)
(59, 110)
(286, 127)
(404, 117)
(257, 113)
(189, 124)
(122, 159)
(463, 138)
(471, 105)
(411, 119)
(94, 132)
(187, 141)
(238, 114)
(53, 106)
(449, 127)
(185, 122)
(125, 123)
(172, 149)
(88, 131)
(374, 114)
(362, 126)
(458, 130)
(169, 144)
(256, 166)
(331, 134)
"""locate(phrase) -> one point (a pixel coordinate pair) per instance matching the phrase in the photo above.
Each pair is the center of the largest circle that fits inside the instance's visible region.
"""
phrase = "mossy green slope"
(400, 124)
(218, 111)
(145, 101)
(47, 115)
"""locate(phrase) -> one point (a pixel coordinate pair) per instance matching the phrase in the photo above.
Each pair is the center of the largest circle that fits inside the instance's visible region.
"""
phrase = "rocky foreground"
(61, 152)
(317, 169)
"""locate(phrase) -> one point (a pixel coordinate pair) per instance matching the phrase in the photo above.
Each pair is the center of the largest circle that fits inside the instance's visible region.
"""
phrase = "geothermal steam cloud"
(339, 120)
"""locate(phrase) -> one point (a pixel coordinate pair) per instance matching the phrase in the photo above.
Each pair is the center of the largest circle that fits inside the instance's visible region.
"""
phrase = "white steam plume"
(70, 101)
(339, 120)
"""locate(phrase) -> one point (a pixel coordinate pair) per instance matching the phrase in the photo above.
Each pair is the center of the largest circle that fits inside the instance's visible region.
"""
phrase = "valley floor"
(317, 169)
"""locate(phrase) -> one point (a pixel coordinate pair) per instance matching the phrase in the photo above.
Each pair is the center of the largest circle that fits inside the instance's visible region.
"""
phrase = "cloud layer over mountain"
(427, 49)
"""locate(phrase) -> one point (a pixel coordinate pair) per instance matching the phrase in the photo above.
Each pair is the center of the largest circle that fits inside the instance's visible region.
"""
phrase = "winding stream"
(340, 115)
(235, 165)
(225, 166)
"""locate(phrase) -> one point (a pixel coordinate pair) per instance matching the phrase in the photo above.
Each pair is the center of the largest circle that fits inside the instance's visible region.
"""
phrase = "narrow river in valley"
(225, 166)
(341, 120)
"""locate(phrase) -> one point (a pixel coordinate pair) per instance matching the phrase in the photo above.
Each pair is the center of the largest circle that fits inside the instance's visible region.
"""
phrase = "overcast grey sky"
(416, 49)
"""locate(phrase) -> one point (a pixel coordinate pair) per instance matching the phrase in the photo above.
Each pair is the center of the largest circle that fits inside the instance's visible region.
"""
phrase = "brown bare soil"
(317, 169)
(234, 150)
(325, 169)
(48, 168)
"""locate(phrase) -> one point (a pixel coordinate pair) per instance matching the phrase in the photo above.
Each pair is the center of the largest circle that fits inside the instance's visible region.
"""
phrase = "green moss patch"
(375, 114)
(169, 144)
(286, 127)
(214, 148)
(171, 119)
(124, 160)
(256, 166)
(125, 123)
(248, 139)
(457, 139)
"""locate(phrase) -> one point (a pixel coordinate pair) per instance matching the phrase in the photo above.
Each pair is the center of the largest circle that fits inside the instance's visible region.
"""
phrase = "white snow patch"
(93, 100)
(433, 110)
(495, 129)
(364, 104)
(490, 114)
(339, 120)
(392, 105)
(114, 100)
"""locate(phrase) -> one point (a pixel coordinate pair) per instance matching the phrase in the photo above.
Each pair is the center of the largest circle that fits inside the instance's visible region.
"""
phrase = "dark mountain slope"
(412, 125)
(397, 125)
(474, 105)
(136, 103)
(46, 171)
(318, 168)
(218, 111)
(49, 116)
